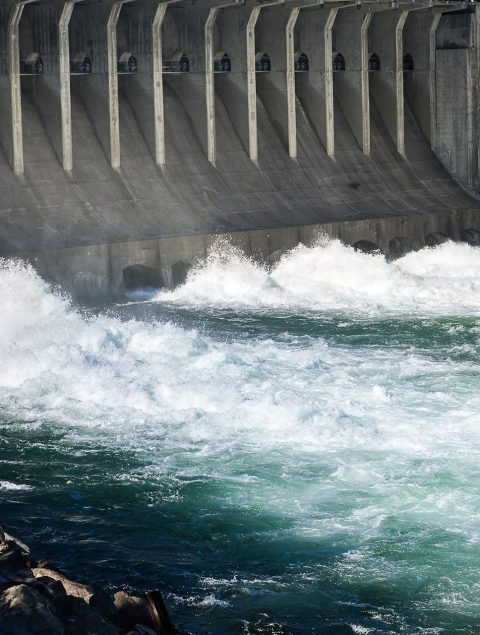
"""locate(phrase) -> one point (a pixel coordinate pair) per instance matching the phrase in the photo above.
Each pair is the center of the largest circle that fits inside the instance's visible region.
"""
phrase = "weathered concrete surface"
(96, 273)
(50, 209)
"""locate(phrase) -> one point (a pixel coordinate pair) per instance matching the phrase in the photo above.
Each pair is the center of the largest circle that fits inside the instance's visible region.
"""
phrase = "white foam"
(14, 487)
(386, 421)
(331, 276)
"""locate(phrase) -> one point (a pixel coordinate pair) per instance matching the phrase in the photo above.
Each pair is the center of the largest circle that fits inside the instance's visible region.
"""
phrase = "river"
(280, 452)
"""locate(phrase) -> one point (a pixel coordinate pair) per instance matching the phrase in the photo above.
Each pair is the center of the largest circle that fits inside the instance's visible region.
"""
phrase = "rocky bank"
(37, 599)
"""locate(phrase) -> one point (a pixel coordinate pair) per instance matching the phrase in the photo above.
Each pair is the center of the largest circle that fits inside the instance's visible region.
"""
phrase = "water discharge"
(333, 277)
(292, 450)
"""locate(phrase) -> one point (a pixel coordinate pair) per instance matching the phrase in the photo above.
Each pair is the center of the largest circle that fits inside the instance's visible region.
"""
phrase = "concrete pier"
(127, 121)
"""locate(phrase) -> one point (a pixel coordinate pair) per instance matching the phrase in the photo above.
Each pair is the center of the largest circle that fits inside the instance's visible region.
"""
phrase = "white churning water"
(365, 437)
(334, 277)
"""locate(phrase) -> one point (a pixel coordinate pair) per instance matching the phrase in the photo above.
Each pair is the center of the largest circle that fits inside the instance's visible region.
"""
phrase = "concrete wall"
(95, 274)
(456, 83)
(47, 208)
(348, 84)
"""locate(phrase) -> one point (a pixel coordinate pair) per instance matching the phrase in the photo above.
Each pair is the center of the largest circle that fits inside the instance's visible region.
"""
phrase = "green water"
(278, 469)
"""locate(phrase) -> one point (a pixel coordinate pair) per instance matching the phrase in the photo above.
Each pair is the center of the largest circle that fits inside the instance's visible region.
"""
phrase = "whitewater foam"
(331, 276)
(342, 435)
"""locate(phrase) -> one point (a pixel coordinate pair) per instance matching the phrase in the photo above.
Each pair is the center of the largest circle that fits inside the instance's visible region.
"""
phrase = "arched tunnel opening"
(399, 247)
(471, 236)
(180, 272)
(32, 65)
(141, 278)
(435, 239)
(302, 65)
(262, 63)
(80, 64)
(222, 63)
(179, 63)
(367, 247)
(408, 64)
(127, 64)
(338, 63)
(373, 63)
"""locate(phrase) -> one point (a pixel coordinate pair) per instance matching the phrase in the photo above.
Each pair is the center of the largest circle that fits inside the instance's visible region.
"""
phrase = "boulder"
(7, 538)
(25, 611)
(96, 598)
(140, 629)
(76, 589)
(85, 620)
(131, 610)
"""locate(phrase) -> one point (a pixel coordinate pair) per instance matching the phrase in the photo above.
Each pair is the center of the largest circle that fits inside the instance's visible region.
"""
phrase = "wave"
(331, 276)
(156, 382)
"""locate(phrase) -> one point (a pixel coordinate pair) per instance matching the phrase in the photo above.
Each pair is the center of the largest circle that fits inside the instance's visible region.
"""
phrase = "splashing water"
(284, 451)
(333, 277)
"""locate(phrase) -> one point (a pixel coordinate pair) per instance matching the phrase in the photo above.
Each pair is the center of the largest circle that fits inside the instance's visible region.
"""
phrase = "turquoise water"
(286, 451)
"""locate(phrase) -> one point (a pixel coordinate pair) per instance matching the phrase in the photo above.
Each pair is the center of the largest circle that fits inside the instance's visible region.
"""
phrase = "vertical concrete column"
(113, 82)
(330, 130)
(252, 86)
(252, 80)
(158, 100)
(210, 85)
(210, 78)
(291, 92)
(366, 147)
(386, 85)
(15, 86)
(399, 82)
(433, 92)
(65, 97)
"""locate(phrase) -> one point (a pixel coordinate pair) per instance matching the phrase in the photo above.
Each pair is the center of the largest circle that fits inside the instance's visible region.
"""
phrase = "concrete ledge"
(95, 273)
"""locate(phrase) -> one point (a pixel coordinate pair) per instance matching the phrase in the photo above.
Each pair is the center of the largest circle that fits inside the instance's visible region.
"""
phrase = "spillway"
(124, 142)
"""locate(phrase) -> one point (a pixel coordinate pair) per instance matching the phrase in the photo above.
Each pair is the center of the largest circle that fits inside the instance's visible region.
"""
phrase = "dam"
(134, 132)
(240, 316)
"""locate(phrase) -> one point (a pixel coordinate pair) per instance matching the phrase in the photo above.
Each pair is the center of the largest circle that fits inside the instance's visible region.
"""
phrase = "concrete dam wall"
(134, 131)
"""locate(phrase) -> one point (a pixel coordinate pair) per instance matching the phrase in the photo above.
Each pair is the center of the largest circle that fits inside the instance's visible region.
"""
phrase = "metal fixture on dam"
(132, 132)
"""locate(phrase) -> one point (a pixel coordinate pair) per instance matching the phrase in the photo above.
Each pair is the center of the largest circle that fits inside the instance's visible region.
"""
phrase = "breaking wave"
(359, 446)
(331, 276)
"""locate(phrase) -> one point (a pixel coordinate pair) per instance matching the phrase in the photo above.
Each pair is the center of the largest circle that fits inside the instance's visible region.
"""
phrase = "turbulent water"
(285, 451)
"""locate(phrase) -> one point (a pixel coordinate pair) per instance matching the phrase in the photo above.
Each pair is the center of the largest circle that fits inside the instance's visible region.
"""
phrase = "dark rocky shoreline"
(37, 599)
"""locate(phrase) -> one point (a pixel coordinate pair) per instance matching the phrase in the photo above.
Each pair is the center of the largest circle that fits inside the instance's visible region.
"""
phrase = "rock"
(7, 538)
(85, 620)
(158, 610)
(48, 587)
(72, 588)
(14, 558)
(101, 601)
(96, 598)
(37, 600)
(140, 629)
(14, 563)
(24, 611)
(10, 578)
(131, 610)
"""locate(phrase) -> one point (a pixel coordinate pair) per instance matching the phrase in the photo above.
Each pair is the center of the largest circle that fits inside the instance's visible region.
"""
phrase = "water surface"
(286, 451)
